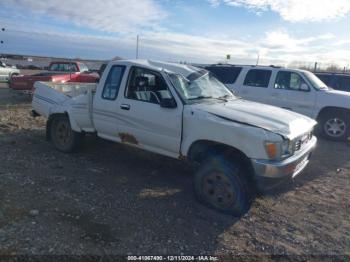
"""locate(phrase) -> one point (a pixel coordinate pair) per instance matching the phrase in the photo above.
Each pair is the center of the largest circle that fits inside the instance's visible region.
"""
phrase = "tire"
(10, 78)
(335, 125)
(62, 136)
(223, 185)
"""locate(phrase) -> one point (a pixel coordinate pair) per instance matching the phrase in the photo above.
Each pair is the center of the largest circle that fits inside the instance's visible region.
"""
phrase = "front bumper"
(270, 173)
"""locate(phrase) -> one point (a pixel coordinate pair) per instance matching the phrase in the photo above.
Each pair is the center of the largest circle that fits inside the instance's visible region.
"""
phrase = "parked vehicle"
(335, 80)
(102, 69)
(185, 113)
(7, 72)
(60, 72)
(296, 90)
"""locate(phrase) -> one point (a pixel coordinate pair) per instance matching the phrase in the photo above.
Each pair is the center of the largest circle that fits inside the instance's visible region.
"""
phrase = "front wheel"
(11, 76)
(62, 136)
(335, 125)
(222, 184)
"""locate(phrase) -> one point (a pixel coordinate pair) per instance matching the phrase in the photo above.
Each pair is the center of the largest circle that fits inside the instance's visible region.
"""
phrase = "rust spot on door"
(128, 138)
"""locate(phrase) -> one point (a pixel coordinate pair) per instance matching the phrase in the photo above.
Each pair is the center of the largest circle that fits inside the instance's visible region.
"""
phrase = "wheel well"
(12, 75)
(328, 109)
(49, 123)
(202, 149)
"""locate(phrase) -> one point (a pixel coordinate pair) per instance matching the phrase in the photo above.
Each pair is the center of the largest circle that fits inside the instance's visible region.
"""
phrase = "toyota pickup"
(183, 112)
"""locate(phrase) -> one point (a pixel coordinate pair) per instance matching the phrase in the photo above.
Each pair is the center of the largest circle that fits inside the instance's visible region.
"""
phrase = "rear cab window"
(225, 74)
(258, 78)
(63, 67)
(113, 81)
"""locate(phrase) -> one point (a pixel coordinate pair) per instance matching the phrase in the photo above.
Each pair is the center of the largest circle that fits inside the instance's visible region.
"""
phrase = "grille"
(301, 141)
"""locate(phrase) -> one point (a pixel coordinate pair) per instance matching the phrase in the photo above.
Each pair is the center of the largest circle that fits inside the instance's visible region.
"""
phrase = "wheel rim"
(218, 190)
(63, 133)
(335, 127)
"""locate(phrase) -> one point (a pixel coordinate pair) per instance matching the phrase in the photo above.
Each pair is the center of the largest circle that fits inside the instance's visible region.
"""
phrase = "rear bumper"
(269, 174)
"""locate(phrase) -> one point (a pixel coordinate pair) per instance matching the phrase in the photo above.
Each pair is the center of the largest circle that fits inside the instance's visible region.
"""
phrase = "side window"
(225, 74)
(83, 67)
(54, 67)
(112, 84)
(258, 78)
(146, 85)
(345, 83)
(288, 81)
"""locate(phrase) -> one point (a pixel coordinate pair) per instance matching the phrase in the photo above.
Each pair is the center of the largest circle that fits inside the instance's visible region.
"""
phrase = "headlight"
(279, 150)
(287, 148)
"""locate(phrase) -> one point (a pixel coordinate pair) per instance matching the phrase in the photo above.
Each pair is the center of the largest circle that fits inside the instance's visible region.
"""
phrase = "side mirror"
(304, 87)
(168, 103)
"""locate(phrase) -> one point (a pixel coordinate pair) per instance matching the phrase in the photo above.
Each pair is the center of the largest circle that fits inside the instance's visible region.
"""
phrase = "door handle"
(125, 107)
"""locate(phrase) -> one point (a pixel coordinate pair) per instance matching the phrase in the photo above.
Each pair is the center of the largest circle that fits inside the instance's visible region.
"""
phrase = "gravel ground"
(112, 199)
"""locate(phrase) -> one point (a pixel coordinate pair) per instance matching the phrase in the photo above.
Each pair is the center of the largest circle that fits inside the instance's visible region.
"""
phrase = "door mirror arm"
(304, 87)
(168, 103)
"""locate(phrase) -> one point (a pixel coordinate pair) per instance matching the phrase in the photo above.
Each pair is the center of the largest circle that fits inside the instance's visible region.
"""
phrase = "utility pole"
(315, 68)
(137, 47)
(257, 60)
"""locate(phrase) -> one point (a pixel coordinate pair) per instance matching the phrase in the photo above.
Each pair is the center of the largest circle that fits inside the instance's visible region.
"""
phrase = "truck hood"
(274, 119)
(331, 97)
(338, 93)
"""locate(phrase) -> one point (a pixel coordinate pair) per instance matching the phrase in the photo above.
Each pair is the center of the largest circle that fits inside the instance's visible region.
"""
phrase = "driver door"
(290, 91)
(142, 121)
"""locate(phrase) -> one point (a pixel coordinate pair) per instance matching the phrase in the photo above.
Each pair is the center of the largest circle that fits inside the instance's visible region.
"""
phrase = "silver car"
(6, 72)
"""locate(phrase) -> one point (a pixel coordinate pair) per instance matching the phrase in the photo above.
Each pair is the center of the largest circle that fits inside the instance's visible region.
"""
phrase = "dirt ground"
(112, 199)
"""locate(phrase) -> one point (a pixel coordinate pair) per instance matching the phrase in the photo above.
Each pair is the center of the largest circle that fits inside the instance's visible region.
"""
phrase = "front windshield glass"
(203, 87)
(315, 81)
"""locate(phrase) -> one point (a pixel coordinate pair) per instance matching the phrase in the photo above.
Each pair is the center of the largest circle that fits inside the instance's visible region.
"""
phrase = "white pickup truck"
(185, 113)
(297, 90)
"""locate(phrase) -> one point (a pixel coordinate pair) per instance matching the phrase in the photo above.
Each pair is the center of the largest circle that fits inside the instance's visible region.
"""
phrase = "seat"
(143, 91)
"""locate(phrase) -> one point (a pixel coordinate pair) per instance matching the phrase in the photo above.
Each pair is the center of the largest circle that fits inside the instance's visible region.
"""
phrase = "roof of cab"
(181, 69)
(261, 67)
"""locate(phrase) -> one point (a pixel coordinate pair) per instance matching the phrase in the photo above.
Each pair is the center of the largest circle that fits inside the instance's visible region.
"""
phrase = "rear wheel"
(222, 184)
(335, 125)
(62, 136)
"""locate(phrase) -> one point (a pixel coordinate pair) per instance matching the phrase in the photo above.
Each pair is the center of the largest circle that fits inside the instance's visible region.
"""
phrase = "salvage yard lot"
(113, 199)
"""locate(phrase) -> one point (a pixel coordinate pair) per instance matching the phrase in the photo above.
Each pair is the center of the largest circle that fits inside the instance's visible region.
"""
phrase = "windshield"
(206, 86)
(315, 81)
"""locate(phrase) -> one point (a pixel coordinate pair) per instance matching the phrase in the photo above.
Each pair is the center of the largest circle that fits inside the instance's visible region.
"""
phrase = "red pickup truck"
(60, 72)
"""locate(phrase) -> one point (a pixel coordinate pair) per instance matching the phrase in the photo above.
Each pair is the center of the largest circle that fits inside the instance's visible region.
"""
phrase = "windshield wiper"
(200, 97)
(224, 97)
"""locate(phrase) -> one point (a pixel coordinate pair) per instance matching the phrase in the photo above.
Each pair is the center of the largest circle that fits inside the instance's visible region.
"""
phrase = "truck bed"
(75, 98)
